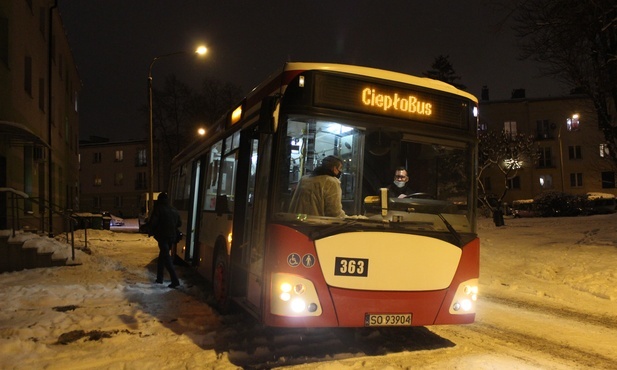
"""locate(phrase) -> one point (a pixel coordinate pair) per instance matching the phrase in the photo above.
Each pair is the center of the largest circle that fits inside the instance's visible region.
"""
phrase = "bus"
(390, 261)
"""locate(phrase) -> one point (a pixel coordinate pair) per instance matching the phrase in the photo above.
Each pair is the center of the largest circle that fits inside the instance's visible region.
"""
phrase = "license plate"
(387, 319)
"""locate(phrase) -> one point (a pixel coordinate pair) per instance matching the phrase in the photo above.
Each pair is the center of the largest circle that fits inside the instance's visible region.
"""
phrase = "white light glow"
(298, 305)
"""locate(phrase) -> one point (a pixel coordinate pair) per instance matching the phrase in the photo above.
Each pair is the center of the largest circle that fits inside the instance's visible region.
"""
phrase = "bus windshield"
(438, 171)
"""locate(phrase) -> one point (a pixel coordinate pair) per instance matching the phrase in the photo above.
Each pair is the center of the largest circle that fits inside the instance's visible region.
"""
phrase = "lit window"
(510, 127)
(119, 155)
(604, 151)
(546, 181)
(573, 122)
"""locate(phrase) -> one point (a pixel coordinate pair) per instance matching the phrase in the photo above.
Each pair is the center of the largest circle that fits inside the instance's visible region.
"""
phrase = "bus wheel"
(220, 281)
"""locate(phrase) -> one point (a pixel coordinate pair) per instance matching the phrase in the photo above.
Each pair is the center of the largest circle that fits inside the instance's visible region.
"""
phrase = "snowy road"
(538, 336)
(548, 298)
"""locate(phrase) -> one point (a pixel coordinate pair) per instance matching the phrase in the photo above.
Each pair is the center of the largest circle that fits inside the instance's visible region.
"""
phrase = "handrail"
(66, 214)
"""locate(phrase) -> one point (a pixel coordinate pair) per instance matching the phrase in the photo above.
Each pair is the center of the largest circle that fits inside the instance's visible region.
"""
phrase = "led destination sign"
(345, 93)
(409, 104)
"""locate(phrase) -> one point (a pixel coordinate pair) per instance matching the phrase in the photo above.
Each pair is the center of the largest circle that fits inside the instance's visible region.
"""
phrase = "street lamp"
(201, 50)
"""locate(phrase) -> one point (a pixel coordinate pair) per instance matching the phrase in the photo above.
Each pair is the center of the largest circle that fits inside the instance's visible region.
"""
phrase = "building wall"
(39, 92)
(553, 113)
(113, 177)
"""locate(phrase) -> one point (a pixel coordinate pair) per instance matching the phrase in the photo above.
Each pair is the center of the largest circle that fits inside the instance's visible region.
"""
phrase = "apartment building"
(39, 119)
(573, 154)
(113, 176)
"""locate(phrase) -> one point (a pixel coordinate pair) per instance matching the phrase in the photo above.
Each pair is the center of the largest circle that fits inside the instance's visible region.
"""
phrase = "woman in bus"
(320, 194)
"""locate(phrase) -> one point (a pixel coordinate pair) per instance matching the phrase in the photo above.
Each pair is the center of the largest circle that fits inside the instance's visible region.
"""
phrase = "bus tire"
(220, 281)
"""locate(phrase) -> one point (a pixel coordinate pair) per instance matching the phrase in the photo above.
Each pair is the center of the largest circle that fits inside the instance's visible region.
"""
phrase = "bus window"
(228, 182)
(437, 169)
(211, 186)
(308, 141)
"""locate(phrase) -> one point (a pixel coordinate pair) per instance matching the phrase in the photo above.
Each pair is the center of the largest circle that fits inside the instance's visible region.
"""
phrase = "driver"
(400, 188)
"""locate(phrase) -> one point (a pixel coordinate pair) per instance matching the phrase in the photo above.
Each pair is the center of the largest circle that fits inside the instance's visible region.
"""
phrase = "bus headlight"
(464, 301)
(293, 295)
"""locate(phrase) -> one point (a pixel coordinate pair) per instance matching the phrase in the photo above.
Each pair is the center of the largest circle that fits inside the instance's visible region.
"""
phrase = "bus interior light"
(301, 81)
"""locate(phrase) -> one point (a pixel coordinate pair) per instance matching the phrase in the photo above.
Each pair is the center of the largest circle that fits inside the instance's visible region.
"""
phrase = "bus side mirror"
(269, 114)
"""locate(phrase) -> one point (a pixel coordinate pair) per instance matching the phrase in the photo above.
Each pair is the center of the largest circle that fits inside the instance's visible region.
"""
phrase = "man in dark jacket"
(400, 188)
(163, 224)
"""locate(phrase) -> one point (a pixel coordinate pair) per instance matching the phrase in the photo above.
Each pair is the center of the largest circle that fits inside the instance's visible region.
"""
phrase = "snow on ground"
(104, 312)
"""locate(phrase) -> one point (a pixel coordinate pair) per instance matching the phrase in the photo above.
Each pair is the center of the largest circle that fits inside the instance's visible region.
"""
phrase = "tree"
(443, 70)
(508, 152)
(576, 42)
(178, 111)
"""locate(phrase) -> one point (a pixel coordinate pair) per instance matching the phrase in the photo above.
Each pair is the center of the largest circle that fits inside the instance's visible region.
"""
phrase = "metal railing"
(15, 196)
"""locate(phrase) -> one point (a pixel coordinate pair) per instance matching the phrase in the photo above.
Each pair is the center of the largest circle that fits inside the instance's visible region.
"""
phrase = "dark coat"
(164, 221)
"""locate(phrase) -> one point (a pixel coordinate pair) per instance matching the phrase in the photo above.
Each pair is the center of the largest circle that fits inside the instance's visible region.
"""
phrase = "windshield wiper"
(454, 233)
(318, 234)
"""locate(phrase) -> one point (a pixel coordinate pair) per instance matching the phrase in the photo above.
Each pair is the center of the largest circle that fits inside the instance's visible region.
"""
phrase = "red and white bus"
(392, 261)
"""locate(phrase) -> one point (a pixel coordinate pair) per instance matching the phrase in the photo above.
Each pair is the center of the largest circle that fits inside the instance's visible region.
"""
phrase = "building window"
(141, 182)
(119, 179)
(119, 155)
(42, 17)
(545, 159)
(576, 180)
(97, 157)
(514, 183)
(608, 180)
(604, 151)
(4, 41)
(510, 127)
(573, 123)
(546, 181)
(96, 202)
(41, 94)
(118, 202)
(543, 129)
(574, 152)
(141, 160)
(97, 180)
(28, 75)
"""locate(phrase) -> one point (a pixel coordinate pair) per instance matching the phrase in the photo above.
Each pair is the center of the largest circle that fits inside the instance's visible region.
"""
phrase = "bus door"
(193, 217)
(248, 247)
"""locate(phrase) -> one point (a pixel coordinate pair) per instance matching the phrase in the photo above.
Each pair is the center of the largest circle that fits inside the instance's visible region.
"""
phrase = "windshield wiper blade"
(454, 233)
(318, 234)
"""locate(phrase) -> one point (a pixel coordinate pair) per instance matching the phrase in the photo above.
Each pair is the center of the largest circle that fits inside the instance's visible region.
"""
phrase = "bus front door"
(247, 252)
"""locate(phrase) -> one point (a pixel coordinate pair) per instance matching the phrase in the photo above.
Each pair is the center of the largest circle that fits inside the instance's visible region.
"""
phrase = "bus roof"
(381, 74)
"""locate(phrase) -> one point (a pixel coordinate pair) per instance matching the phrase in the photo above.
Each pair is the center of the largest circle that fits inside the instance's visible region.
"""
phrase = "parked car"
(523, 208)
(114, 220)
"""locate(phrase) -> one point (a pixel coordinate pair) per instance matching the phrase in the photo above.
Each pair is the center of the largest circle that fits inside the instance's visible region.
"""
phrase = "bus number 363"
(345, 266)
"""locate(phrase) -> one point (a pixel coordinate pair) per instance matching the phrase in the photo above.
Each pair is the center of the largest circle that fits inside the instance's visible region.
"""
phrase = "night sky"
(114, 41)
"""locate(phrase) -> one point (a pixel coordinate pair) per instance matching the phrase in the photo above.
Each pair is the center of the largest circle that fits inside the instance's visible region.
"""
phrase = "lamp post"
(200, 51)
